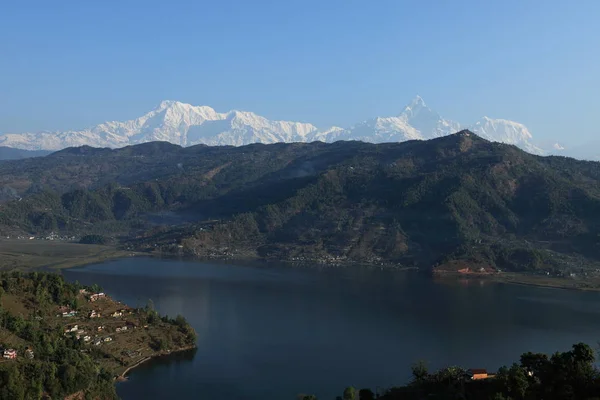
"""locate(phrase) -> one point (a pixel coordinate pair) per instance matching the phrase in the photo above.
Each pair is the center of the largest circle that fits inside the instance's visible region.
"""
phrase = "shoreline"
(55, 256)
(123, 376)
(515, 278)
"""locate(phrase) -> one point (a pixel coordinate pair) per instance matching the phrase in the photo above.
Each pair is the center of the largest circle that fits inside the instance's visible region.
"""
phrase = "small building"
(87, 338)
(100, 328)
(10, 354)
(117, 314)
(108, 339)
(477, 374)
(69, 314)
(94, 314)
(97, 342)
(97, 296)
(29, 354)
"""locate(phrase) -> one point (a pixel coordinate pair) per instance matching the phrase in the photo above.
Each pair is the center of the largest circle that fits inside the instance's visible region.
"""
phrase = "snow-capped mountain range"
(187, 125)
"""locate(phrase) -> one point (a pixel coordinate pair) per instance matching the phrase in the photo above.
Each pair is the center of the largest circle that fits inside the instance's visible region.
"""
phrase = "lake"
(270, 332)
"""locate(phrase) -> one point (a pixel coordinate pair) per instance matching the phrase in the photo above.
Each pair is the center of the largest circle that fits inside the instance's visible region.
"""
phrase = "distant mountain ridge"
(9, 153)
(187, 125)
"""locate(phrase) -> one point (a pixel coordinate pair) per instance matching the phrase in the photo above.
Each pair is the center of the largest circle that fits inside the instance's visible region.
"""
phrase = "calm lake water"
(271, 332)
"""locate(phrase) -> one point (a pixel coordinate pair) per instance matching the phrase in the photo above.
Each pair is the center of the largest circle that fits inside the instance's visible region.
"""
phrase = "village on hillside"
(123, 335)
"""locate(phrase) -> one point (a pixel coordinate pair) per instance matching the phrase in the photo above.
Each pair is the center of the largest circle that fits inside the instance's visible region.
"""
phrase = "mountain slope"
(187, 125)
(8, 153)
(421, 203)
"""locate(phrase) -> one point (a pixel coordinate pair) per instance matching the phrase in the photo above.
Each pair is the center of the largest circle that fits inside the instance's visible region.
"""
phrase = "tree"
(535, 363)
(582, 353)
(517, 382)
(11, 384)
(366, 394)
(350, 393)
(307, 397)
(149, 305)
(95, 288)
(419, 372)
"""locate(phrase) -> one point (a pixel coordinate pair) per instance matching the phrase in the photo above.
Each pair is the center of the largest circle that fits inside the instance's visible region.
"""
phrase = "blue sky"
(71, 64)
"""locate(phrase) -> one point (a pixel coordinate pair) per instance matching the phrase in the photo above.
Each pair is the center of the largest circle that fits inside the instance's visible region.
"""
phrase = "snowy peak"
(184, 124)
(381, 130)
(515, 131)
(505, 131)
(415, 107)
(165, 104)
(428, 122)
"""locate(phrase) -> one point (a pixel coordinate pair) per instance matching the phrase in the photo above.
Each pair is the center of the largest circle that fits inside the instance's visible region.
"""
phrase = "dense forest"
(52, 363)
(419, 203)
(570, 375)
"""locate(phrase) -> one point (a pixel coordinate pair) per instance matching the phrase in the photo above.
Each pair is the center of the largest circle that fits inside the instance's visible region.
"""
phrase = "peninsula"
(58, 339)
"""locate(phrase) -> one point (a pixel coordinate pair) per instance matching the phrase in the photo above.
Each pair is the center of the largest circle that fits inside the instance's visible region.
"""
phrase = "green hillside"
(417, 203)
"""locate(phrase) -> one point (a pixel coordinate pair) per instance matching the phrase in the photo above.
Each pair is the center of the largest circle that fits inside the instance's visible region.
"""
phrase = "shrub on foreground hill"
(570, 375)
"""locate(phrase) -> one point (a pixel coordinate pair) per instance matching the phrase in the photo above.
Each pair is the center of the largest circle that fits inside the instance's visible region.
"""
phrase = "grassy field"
(48, 255)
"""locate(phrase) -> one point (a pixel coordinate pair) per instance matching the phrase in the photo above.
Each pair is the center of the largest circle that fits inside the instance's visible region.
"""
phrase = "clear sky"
(71, 64)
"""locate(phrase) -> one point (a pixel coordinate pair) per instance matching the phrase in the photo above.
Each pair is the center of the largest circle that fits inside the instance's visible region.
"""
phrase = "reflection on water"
(270, 332)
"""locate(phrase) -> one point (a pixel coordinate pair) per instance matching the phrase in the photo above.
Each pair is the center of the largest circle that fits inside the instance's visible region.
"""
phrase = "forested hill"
(417, 203)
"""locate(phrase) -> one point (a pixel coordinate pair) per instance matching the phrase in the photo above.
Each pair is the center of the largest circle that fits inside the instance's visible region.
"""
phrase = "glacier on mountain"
(187, 125)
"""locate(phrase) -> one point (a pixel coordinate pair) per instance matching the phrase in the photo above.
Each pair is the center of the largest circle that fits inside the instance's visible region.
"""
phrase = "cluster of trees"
(350, 393)
(570, 375)
(151, 316)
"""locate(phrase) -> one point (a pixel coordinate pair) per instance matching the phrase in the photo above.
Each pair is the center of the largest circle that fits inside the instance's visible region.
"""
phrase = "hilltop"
(444, 203)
